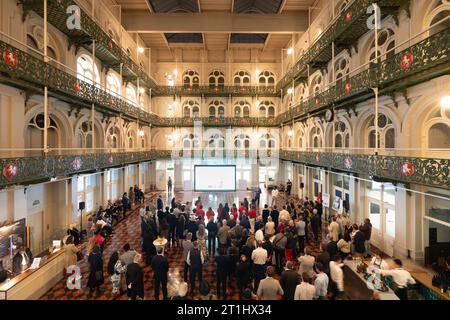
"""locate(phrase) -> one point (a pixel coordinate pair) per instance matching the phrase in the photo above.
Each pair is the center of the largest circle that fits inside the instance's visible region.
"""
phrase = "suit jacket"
(223, 265)
(17, 261)
(160, 267)
(289, 281)
(160, 204)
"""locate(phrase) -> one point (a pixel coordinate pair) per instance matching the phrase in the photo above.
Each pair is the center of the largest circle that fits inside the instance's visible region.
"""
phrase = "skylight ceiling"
(253, 38)
(166, 6)
(257, 6)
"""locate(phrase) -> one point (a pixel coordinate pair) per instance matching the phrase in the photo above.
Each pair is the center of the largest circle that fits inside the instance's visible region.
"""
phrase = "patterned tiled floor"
(128, 230)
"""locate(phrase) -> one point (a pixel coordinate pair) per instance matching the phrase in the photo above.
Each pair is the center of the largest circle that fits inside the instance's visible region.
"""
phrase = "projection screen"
(215, 178)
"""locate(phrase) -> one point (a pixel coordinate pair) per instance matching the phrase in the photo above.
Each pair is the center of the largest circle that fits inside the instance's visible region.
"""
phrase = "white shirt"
(376, 263)
(337, 275)
(101, 222)
(259, 235)
(274, 193)
(401, 277)
(259, 256)
(321, 284)
(270, 228)
(304, 291)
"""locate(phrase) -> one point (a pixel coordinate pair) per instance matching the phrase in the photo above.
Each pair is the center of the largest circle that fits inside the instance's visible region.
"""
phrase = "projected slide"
(214, 178)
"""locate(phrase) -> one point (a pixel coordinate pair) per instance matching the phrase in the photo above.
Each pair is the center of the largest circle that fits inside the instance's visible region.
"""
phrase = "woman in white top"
(378, 262)
(202, 235)
(305, 290)
(344, 246)
(270, 227)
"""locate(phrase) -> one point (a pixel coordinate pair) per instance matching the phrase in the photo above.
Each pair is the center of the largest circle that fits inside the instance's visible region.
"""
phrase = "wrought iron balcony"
(25, 71)
(348, 27)
(107, 50)
(219, 91)
(217, 122)
(425, 60)
(424, 171)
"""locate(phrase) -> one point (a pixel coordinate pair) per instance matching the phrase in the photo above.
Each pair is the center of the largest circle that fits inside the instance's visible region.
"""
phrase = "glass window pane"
(89, 201)
(390, 222)
(80, 186)
(374, 215)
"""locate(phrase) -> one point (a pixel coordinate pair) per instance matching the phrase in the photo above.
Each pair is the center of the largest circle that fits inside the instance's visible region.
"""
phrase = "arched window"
(266, 109)
(113, 84)
(438, 11)
(216, 79)
(267, 141)
(386, 138)
(216, 141)
(32, 42)
(266, 78)
(439, 136)
(342, 136)
(315, 136)
(191, 79)
(131, 94)
(113, 138)
(242, 109)
(191, 141)
(35, 132)
(316, 84)
(300, 92)
(87, 70)
(191, 109)
(241, 78)
(216, 109)
(242, 141)
(386, 42)
(341, 68)
(84, 135)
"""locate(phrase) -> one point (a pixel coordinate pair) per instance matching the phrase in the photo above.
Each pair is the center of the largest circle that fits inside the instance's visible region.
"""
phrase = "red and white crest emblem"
(407, 169)
(110, 45)
(189, 89)
(77, 163)
(317, 158)
(348, 87)
(110, 159)
(77, 86)
(317, 101)
(10, 58)
(216, 89)
(348, 163)
(348, 16)
(10, 171)
(407, 61)
(318, 47)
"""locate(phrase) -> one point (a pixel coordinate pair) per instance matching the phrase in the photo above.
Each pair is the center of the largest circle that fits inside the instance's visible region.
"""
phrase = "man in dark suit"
(289, 281)
(160, 267)
(275, 214)
(159, 203)
(222, 271)
(22, 260)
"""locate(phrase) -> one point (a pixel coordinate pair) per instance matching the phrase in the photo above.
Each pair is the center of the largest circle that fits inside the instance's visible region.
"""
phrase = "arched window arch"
(33, 42)
(191, 78)
(131, 138)
(301, 92)
(191, 109)
(241, 78)
(386, 42)
(439, 136)
(266, 109)
(113, 84)
(316, 84)
(315, 137)
(113, 138)
(216, 79)
(267, 141)
(87, 70)
(216, 141)
(35, 132)
(84, 135)
(216, 109)
(438, 10)
(242, 109)
(242, 141)
(131, 94)
(266, 78)
(386, 138)
(342, 135)
(341, 68)
(191, 141)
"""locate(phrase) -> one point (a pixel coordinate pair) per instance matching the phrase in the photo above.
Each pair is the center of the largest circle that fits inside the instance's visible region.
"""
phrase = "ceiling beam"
(282, 6)
(267, 41)
(149, 5)
(212, 22)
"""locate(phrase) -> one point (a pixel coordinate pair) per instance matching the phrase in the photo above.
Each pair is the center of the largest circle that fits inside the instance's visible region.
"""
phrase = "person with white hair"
(182, 292)
(223, 234)
(135, 279)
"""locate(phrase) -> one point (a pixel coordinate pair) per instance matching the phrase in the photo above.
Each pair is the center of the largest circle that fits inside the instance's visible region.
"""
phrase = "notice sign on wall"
(326, 200)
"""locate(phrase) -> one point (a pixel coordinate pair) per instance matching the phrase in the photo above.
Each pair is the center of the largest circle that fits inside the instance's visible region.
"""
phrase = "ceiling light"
(445, 102)
(170, 107)
(141, 133)
(175, 71)
(142, 90)
(175, 135)
(140, 50)
(257, 72)
(290, 51)
(290, 90)
(175, 103)
(290, 133)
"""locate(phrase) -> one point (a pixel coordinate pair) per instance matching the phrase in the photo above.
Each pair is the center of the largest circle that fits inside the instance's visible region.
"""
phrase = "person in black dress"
(222, 271)
(135, 279)
(95, 260)
(243, 272)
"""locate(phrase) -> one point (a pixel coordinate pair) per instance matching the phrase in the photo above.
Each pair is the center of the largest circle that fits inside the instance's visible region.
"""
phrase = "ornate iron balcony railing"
(423, 171)
(349, 26)
(218, 122)
(218, 91)
(423, 61)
